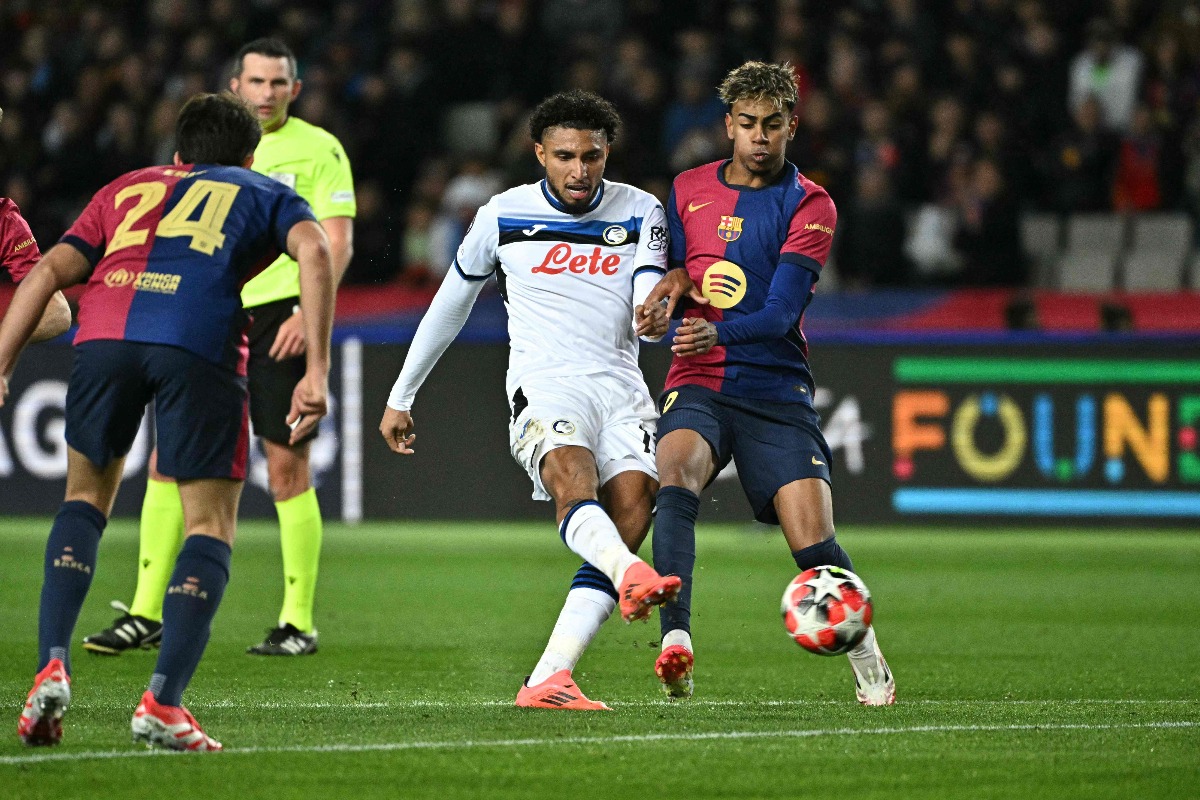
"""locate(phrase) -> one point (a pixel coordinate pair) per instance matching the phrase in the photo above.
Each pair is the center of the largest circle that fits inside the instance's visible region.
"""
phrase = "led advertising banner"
(1086, 432)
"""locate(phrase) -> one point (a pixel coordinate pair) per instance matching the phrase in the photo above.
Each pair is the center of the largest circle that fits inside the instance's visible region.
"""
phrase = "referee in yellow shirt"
(312, 162)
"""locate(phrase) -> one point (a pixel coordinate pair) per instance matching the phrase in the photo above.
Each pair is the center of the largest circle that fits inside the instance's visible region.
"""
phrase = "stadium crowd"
(933, 123)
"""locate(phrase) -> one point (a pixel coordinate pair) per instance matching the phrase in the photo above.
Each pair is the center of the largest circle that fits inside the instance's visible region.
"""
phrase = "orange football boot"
(557, 691)
(644, 588)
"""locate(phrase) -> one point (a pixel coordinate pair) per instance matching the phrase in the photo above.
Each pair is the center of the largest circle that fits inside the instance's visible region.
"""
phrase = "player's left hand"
(3, 389)
(652, 320)
(309, 405)
(396, 427)
(289, 342)
(695, 336)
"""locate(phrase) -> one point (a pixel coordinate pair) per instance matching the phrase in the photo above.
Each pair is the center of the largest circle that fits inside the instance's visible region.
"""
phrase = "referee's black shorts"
(272, 382)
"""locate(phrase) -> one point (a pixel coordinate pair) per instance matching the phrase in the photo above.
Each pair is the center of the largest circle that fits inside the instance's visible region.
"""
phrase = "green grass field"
(1029, 664)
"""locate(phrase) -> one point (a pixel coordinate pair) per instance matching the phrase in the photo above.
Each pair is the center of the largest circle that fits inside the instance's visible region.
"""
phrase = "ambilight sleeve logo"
(724, 284)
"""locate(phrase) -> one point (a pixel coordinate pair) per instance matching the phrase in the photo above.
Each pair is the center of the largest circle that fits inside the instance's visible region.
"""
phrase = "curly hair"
(583, 111)
(757, 80)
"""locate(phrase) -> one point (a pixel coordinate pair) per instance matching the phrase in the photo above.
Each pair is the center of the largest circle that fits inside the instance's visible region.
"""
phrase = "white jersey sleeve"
(651, 253)
(650, 259)
(477, 258)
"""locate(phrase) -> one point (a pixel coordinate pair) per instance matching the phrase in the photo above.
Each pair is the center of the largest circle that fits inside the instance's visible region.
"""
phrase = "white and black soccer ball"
(827, 610)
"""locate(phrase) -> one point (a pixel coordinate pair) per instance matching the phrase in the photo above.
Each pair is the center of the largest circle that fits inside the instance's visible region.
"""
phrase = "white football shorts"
(612, 418)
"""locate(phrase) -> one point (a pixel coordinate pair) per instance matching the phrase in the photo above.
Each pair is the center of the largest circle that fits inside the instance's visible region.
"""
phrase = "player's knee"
(286, 483)
(684, 474)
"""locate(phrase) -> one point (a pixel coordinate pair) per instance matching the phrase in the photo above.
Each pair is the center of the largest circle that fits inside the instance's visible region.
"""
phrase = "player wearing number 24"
(165, 251)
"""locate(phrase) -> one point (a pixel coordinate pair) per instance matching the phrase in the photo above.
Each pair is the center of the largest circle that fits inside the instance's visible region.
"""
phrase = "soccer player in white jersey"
(574, 256)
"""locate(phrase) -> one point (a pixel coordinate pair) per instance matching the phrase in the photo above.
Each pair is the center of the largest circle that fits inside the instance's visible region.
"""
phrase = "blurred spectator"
(1138, 185)
(988, 236)
(925, 90)
(473, 186)
(119, 148)
(1109, 71)
(870, 234)
(992, 141)
(1084, 161)
(688, 123)
(821, 148)
(948, 149)
(415, 252)
(965, 74)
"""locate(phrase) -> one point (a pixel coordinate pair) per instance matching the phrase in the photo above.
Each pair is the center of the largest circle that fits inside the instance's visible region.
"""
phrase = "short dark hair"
(216, 129)
(583, 111)
(267, 46)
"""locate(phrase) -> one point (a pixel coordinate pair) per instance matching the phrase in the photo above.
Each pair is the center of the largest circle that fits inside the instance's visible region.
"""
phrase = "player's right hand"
(396, 427)
(3, 389)
(309, 405)
(672, 287)
(289, 341)
(695, 336)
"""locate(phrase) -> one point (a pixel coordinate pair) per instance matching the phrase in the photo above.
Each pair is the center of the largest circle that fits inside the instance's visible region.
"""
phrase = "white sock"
(677, 636)
(594, 537)
(584, 611)
(866, 648)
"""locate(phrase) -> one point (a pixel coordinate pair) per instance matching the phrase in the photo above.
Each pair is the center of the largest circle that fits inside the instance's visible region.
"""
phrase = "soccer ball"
(827, 610)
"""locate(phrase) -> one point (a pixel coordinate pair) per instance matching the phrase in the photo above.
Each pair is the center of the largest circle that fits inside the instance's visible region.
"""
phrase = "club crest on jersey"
(730, 228)
(615, 235)
(724, 284)
(563, 427)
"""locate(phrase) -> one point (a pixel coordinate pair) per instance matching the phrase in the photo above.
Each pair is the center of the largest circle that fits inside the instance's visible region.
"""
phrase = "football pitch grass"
(1029, 664)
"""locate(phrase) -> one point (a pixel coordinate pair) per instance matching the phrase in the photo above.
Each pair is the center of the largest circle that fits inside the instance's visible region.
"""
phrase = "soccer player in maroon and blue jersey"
(749, 237)
(164, 252)
(18, 254)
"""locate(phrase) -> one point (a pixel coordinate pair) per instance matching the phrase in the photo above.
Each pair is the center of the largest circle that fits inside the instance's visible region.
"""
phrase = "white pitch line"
(468, 744)
(464, 704)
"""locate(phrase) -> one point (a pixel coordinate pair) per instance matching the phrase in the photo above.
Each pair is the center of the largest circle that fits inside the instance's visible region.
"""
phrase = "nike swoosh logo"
(692, 207)
(533, 230)
(817, 463)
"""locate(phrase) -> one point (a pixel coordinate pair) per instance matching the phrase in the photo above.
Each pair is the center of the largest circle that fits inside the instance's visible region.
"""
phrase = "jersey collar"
(558, 206)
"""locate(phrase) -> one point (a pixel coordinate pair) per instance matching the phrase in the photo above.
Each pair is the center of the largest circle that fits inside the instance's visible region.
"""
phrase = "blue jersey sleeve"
(290, 208)
(678, 248)
(790, 292)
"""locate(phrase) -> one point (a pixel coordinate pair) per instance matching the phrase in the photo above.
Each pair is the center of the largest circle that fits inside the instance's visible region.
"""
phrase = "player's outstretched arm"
(61, 267)
(674, 286)
(308, 244)
(56, 319)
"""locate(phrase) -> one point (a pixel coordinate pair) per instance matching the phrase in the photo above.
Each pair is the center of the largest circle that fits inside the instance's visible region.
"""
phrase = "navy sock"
(822, 553)
(588, 577)
(675, 551)
(193, 595)
(70, 563)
